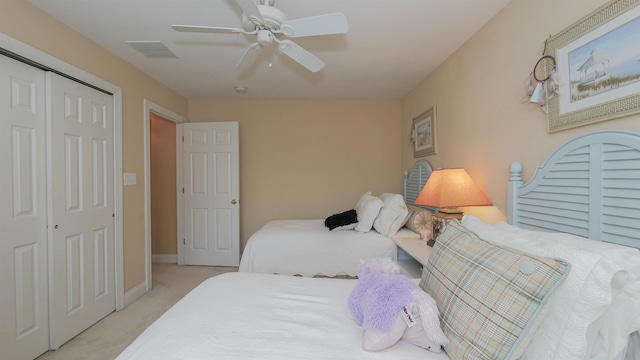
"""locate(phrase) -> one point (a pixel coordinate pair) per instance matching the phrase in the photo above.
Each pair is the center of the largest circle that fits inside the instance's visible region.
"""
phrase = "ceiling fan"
(271, 25)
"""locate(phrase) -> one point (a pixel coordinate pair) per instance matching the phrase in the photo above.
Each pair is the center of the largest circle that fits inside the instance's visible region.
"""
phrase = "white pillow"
(367, 209)
(392, 215)
(582, 299)
(627, 257)
(622, 318)
(364, 197)
(607, 336)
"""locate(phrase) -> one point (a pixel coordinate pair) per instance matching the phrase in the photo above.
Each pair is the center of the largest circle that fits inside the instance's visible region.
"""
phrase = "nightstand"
(413, 254)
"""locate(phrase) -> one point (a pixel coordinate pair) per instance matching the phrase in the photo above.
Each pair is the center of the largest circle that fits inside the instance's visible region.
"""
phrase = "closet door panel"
(81, 211)
(24, 333)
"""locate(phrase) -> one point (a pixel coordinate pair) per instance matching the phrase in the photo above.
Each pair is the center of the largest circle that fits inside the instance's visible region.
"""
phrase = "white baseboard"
(165, 258)
(138, 291)
(135, 293)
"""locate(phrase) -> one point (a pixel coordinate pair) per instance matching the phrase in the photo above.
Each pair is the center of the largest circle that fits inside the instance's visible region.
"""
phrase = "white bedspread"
(261, 316)
(308, 248)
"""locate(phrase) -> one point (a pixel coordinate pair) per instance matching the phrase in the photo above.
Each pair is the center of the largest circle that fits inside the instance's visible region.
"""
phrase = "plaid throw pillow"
(489, 296)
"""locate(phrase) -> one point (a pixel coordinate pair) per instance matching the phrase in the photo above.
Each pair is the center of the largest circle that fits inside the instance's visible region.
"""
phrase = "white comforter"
(262, 316)
(308, 248)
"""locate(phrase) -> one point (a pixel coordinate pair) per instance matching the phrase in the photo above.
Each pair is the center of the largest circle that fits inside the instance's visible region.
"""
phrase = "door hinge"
(182, 138)
(184, 242)
(183, 190)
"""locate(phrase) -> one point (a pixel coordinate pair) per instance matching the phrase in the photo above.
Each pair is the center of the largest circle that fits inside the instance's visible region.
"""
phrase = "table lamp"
(447, 189)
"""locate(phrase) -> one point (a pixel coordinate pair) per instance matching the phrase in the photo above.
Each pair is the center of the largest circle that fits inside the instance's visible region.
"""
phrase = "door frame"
(152, 108)
(33, 54)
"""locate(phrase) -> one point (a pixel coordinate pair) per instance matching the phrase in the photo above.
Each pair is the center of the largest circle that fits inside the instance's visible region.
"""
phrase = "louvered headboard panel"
(590, 186)
(415, 179)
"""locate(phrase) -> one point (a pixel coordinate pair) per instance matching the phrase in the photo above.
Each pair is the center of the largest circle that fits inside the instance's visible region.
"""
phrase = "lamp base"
(450, 210)
(440, 220)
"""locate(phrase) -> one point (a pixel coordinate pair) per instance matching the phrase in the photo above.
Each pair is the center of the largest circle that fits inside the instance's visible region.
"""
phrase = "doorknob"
(234, 201)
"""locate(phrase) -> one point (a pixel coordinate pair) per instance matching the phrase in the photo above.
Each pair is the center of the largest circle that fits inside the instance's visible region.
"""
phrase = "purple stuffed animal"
(389, 307)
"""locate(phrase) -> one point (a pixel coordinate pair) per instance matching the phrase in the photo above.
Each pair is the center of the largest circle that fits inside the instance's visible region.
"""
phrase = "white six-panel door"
(81, 210)
(24, 326)
(211, 194)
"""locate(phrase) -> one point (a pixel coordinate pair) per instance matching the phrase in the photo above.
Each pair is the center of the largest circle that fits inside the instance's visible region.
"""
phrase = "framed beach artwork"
(598, 65)
(423, 133)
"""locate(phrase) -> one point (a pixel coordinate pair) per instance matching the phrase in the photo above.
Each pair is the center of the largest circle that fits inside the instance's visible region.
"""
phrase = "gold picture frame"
(590, 60)
(423, 133)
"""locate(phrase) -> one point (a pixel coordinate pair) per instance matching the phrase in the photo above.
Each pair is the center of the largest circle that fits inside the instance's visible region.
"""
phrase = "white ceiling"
(391, 45)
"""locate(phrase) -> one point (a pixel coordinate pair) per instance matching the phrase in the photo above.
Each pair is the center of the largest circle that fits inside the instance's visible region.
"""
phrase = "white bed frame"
(589, 186)
(415, 179)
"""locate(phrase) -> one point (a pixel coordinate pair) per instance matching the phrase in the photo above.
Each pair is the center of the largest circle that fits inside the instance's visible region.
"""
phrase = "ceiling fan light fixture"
(265, 37)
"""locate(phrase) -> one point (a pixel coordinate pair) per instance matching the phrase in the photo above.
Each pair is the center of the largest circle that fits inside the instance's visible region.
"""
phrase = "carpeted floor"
(107, 338)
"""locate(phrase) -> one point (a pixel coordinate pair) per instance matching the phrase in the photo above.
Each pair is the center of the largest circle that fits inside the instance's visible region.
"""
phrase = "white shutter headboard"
(589, 186)
(415, 179)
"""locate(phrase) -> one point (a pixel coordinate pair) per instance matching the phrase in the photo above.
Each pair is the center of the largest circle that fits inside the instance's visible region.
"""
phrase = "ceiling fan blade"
(251, 10)
(327, 24)
(302, 56)
(207, 29)
(250, 55)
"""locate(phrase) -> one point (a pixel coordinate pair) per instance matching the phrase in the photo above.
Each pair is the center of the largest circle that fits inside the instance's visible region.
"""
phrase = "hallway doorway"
(163, 190)
(153, 110)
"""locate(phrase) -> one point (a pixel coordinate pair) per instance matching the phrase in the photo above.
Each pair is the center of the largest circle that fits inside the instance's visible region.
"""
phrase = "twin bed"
(308, 248)
(590, 187)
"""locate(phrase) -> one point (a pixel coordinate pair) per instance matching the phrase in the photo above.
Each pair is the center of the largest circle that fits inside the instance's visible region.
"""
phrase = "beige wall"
(483, 123)
(164, 218)
(28, 24)
(309, 159)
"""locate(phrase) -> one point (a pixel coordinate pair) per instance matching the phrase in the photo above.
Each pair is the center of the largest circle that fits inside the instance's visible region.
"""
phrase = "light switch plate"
(130, 179)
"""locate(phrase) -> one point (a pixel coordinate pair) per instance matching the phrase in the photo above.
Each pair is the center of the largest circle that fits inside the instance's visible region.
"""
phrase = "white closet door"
(24, 333)
(211, 190)
(81, 207)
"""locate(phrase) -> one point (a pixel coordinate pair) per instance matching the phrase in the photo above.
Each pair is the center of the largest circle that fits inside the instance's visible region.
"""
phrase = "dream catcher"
(542, 82)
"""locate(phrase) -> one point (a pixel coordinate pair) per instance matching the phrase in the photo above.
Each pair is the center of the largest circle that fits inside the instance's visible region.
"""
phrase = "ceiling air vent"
(152, 49)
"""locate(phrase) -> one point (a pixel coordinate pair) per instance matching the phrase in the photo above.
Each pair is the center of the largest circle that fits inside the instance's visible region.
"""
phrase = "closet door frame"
(37, 56)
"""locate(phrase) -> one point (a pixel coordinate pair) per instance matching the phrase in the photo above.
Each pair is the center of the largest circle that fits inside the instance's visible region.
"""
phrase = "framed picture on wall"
(423, 133)
(598, 65)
